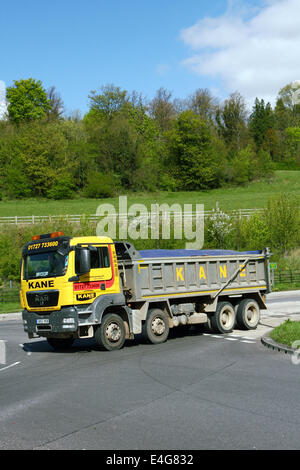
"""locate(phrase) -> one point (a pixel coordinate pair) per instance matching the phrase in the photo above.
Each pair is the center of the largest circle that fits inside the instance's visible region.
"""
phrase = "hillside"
(254, 195)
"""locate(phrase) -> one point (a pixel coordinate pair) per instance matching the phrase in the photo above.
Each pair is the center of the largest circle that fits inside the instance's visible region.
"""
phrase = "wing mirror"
(83, 258)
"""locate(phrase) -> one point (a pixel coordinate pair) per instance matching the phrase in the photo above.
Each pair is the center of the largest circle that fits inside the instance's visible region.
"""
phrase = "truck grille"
(42, 299)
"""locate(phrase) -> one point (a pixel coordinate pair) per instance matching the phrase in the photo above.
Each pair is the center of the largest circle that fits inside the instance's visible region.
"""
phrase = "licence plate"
(42, 321)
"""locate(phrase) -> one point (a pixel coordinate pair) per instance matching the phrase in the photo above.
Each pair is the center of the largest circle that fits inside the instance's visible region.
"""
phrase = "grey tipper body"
(189, 287)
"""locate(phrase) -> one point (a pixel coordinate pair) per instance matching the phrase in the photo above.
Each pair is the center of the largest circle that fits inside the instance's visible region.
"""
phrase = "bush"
(254, 233)
(62, 188)
(99, 185)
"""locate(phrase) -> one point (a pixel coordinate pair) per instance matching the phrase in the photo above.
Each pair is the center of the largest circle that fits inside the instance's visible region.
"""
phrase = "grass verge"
(287, 333)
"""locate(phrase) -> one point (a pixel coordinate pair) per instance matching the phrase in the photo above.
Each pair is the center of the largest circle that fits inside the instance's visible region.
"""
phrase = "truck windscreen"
(46, 264)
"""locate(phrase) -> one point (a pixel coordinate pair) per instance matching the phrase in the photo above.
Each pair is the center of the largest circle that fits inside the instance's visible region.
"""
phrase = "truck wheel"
(223, 320)
(110, 334)
(156, 327)
(60, 343)
(248, 314)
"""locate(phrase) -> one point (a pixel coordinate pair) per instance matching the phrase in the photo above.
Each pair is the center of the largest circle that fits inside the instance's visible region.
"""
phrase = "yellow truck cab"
(84, 287)
(60, 277)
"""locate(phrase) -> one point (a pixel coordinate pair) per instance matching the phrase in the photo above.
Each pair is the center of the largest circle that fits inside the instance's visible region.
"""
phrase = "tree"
(203, 104)
(288, 95)
(110, 101)
(194, 156)
(162, 109)
(27, 101)
(56, 104)
(231, 120)
(293, 142)
(282, 216)
(260, 121)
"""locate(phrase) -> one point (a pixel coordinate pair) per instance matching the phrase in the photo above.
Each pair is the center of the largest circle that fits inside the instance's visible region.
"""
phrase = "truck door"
(101, 277)
(101, 266)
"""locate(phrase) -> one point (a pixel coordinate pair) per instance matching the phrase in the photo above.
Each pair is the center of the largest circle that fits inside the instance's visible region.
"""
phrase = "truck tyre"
(60, 344)
(110, 335)
(156, 327)
(248, 314)
(223, 320)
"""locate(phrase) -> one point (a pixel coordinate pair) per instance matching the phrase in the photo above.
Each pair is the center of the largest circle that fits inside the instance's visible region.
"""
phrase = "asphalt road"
(192, 392)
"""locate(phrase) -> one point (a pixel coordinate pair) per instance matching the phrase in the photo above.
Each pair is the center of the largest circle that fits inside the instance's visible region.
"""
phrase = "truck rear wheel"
(156, 327)
(223, 320)
(248, 314)
(110, 335)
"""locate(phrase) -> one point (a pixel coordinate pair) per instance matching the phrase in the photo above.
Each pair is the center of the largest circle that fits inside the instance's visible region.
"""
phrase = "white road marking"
(11, 365)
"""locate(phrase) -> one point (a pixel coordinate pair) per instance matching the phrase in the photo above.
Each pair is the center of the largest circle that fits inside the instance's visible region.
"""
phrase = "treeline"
(127, 143)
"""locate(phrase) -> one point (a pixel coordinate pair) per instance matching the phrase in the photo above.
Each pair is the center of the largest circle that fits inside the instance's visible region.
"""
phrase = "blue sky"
(181, 45)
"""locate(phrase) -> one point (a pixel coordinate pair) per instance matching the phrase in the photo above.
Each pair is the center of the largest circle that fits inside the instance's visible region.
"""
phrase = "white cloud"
(255, 54)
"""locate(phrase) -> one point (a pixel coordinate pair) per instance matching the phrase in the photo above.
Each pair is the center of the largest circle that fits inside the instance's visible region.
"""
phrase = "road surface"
(192, 392)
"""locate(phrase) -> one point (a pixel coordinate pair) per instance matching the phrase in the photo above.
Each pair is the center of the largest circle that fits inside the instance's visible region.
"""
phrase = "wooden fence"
(94, 218)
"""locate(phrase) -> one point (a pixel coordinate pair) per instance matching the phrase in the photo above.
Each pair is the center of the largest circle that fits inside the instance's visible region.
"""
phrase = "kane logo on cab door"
(85, 296)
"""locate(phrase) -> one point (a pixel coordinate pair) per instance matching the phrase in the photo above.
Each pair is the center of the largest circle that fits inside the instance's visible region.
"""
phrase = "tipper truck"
(93, 287)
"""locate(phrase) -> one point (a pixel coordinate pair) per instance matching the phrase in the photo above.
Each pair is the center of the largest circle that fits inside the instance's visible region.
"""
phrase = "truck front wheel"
(223, 320)
(156, 327)
(110, 335)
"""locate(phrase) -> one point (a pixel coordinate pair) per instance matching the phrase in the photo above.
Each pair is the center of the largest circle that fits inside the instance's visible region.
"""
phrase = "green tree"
(293, 142)
(27, 101)
(109, 101)
(162, 110)
(282, 216)
(242, 166)
(56, 104)
(260, 121)
(193, 156)
(231, 122)
(204, 104)
(37, 154)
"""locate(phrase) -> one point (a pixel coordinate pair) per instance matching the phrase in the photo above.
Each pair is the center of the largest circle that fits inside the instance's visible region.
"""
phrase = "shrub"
(99, 185)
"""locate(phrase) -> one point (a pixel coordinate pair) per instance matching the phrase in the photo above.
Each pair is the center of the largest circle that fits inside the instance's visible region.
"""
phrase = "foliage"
(219, 227)
(282, 216)
(192, 153)
(165, 144)
(99, 185)
(27, 100)
(261, 121)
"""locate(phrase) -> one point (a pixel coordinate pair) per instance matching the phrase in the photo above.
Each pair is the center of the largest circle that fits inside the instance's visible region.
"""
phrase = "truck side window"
(95, 259)
(105, 257)
(100, 258)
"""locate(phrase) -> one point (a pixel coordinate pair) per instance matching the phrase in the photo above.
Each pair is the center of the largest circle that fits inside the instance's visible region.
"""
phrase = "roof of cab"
(92, 239)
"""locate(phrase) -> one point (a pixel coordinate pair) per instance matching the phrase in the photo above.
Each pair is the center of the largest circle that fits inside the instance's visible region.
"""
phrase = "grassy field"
(255, 195)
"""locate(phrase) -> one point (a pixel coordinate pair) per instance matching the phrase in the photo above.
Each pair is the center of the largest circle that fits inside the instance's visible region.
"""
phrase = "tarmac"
(277, 313)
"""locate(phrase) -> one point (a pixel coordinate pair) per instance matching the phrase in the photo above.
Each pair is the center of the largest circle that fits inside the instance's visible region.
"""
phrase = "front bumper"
(63, 323)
